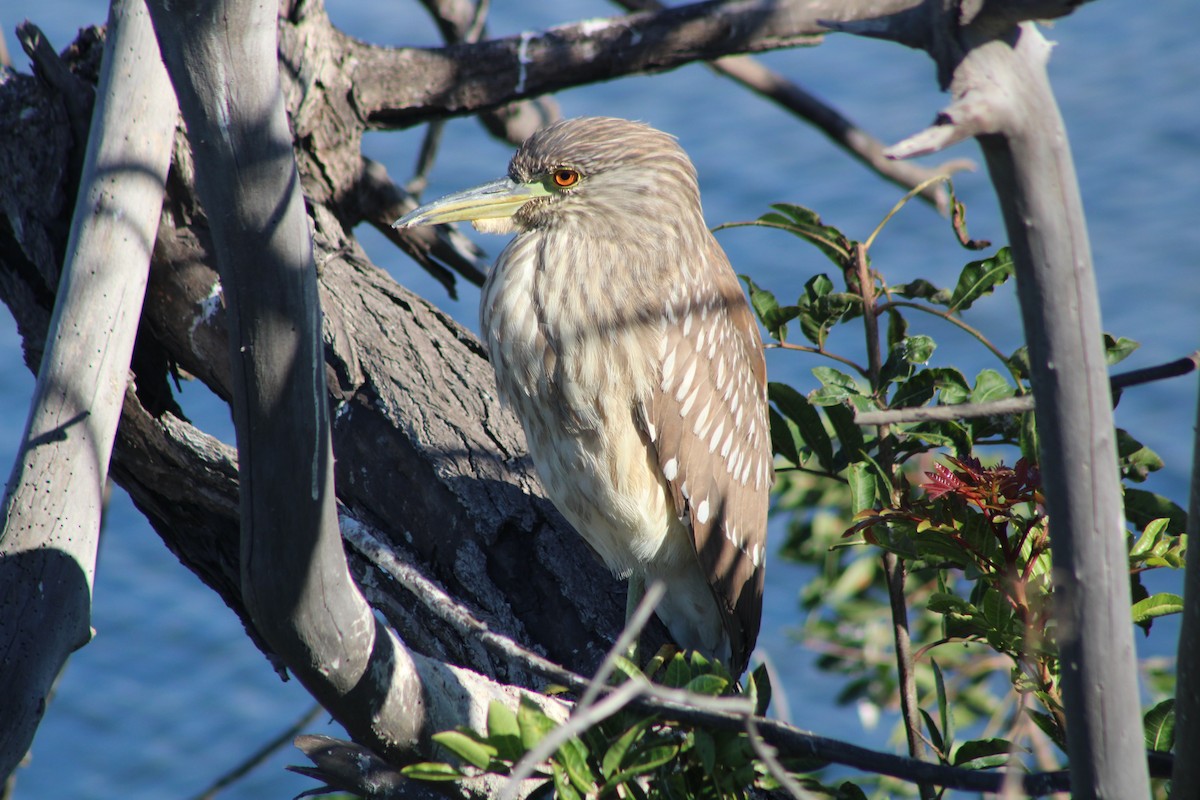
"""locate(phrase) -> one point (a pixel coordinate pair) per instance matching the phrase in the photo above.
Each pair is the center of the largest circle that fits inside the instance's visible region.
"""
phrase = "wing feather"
(707, 420)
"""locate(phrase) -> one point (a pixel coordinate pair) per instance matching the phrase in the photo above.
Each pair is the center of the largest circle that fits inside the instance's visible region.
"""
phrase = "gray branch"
(1001, 96)
(1185, 780)
(54, 498)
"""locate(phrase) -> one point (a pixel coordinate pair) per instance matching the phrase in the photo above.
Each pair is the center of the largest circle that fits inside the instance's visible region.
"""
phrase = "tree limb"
(54, 498)
(1022, 403)
(789, 95)
(1001, 96)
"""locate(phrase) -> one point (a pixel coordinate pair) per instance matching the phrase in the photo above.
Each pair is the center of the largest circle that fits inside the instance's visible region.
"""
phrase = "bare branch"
(1185, 778)
(54, 498)
(1021, 403)
(1000, 88)
(843, 132)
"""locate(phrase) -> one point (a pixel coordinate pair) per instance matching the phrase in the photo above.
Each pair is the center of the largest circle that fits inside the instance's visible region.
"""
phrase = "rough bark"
(55, 496)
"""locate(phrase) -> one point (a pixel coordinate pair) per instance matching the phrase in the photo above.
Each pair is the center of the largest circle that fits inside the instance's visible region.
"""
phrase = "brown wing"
(708, 422)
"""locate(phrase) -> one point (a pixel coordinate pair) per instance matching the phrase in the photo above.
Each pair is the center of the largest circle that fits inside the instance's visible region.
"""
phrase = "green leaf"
(795, 407)
(573, 755)
(944, 713)
(806, 224)
(935, 736)
(1117, 350)
(759, 690)
(916, 391)
(1142, 508)
(503, 731)
(982, 754)
(848, 433)
(1157, 605)
(646, 760)
(817, 287)
(820, 308)
(980, 278)
(921, 289)
(850, 791)
(432, 771)
(862, 486)
(1048, 726)
(1137, 461)
(836, 386)
(773, 316)
(467, 747)
(991, 385)
(1159, 727)
(533, 723)
(897, 328)
(918, 349)
(562, 783)
(617, 751)
(678, 673)
(1019, 361)
(1151, 535)
(783, 441)
(711, 685)
(706, 749)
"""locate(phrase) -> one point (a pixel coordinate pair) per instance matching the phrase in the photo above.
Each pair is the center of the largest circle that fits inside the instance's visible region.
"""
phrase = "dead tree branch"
(54, 498)
(1002, 97)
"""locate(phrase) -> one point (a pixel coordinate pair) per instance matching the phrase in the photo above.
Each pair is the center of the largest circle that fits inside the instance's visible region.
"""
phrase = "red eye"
(565, 178)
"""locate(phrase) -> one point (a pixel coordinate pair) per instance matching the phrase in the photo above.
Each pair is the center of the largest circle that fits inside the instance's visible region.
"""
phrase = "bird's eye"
(565, 178)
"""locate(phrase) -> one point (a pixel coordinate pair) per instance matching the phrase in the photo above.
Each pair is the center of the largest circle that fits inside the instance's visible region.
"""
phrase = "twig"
(633, 629)
(858, 272)
(958, 323)
(78, 96)
(803, 348)
(768, 83)
(381, 202)
(1171, 369)
(1023, 403)
(259, 756)
(572, 728)
(993, 408)
(767, 755)
(1186, 774)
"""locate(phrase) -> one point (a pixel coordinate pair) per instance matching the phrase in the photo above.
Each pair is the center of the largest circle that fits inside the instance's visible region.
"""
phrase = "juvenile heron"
(620, 336)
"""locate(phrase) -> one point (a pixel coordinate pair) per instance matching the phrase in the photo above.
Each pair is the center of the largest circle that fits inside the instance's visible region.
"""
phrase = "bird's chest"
(575, 372)
(564, 332)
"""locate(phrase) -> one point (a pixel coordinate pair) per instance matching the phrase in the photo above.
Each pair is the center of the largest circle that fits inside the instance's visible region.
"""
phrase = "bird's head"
(598, 171)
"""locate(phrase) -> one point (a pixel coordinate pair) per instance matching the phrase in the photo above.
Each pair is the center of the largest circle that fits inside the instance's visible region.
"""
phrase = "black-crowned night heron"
(620, 336)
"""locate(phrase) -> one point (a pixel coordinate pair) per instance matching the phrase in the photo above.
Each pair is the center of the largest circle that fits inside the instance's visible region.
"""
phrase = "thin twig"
(259, 756)
(974, 332)
(803, 348)
(789, 95)
(572, 728)
(1022, 403)
(767, 755)
(859, 273)
(633, 629)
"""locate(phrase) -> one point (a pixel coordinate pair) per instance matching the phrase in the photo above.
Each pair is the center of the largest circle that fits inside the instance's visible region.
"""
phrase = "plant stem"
(803, 348)
(858, 273)
(953, 320)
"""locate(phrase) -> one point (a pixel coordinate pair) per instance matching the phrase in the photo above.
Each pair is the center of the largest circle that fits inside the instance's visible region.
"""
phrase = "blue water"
(170, 694)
